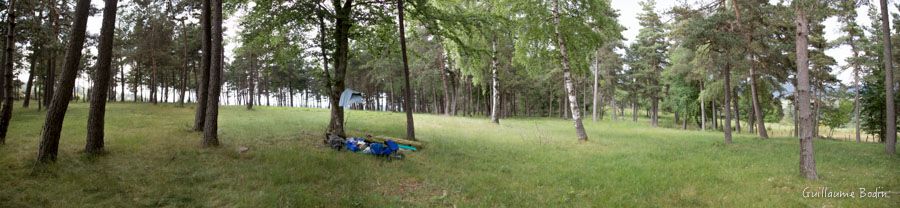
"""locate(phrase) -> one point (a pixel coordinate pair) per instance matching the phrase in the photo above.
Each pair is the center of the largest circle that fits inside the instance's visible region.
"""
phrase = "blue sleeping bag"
(385, 149)
(351, 144)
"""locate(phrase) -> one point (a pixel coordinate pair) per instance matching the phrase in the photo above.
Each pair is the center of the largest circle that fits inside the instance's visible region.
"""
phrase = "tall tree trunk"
(343, 22)
(807, 160)
(154, 81)
(122, 83)
(6, 112)
(570, 89)
(50, 76)
(447, 88)
(111, 86)
(757, 109)
(211, 125)
(715, 114)
(60, 103)
(137, 82)
(856, 89)
(250, 81)
(97, 110)
(891, 120)
(757, 112)
(727, 104)
(495, 83)
(410, 128)
(596, 67)
(702, 110)
(205, 62)
(29, 86)
(737, 111)
(184, 65)
(634, 110)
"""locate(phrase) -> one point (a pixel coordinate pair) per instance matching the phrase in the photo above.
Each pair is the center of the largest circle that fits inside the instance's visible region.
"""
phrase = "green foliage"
(684, 91)
(836, 115)
(872, 103)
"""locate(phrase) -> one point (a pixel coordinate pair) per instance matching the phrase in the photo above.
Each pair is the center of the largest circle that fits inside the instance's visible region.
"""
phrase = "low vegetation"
(154, 160)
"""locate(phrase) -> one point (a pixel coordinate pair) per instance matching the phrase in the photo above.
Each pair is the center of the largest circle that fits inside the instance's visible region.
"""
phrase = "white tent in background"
(350, 97)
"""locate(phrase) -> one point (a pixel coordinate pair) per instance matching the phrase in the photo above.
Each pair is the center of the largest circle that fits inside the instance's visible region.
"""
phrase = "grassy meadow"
(154, 160)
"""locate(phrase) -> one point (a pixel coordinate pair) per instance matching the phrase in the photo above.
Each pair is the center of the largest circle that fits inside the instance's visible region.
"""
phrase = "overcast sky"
(628, 11)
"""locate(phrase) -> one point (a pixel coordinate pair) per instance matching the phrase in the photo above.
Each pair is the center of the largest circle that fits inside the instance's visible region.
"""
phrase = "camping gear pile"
(377, 146)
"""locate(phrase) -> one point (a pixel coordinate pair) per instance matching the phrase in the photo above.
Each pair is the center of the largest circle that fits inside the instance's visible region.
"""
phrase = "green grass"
(154, 160)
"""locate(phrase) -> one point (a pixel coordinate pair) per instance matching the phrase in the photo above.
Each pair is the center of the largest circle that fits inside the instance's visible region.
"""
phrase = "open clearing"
(155, 160)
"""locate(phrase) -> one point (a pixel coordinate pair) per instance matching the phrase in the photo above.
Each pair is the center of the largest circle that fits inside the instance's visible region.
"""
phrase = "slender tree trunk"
(634, 110)
(596, 88)
(447, 88)
(154, 81)
(60, 103)
(495, 83)
(97, 112)
(891, 120)
(137, 81)
(121, 82)
(757, 112)
(30, 83)
(856, 88)
(807, 160)
(184, 65)
(702, 110)
(250, 81)
(205, 61)
(6, 112)
(410, 128)
(737, 111)
(111, 86)
(50, 77)
(727, 105)
(211, 125)
(757, 109)
(570, 89)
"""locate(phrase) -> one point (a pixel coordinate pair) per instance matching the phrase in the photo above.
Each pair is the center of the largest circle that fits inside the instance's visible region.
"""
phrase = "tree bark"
(737, 111)
(891, 120)
(29, 86)
(184, 65)
(702, 110)
(410, 128)
(570, 89)
(856, 88)
(97, 110)
(205, 61)
(50, 77)
(154, 81)
(596, 67)
(447, 89)
(807, 160)
(250, 81)
(727, 104)
(757, 112)
(757, 109)
(495, 84)
(6, 112)
(343, 22)
(122, 83)
(60, 103)
(211, 125)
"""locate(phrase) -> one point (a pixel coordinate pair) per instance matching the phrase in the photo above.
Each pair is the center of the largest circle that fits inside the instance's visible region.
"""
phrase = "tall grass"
(155, 160)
